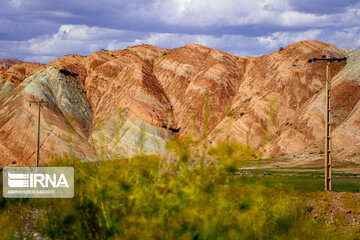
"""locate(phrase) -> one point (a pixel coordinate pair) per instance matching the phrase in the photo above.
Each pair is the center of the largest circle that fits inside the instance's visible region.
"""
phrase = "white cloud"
(346, 38)
(16, 3)
(83, 32)
(204, 13)
(276, 5)
(279, 39)
(347, 33)
(78, 39)
(200, 12)
(62, 14)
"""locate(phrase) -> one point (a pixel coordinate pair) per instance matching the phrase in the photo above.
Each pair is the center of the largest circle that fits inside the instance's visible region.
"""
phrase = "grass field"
(140, 198)
(307, 183)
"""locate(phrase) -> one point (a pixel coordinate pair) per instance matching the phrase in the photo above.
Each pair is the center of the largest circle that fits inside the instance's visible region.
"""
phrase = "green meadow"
(303, 181)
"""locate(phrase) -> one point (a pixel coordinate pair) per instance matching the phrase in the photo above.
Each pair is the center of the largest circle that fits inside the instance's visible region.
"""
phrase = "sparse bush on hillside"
(270, 124)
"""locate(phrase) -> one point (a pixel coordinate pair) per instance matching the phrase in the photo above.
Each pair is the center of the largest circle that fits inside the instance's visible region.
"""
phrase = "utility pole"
(328, 161)
(39, 102)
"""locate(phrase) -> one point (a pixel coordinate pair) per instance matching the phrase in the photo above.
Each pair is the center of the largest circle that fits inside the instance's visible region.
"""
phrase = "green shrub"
(138, 199)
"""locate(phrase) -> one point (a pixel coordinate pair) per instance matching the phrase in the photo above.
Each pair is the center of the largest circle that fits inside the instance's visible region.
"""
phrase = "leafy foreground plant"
(138, 199)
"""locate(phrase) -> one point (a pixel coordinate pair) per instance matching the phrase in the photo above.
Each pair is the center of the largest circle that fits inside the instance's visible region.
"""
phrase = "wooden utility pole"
(39, 102)
(328, 168)
(328, 162)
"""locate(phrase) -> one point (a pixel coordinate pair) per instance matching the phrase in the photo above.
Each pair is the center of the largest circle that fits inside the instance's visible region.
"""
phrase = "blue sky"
(43, 30)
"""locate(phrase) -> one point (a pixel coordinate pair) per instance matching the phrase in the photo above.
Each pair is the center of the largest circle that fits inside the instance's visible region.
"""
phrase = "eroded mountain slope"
(136, 99)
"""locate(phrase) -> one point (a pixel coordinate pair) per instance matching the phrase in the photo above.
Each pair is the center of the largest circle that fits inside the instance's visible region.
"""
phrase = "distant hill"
(275, 99)
(7, 63)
